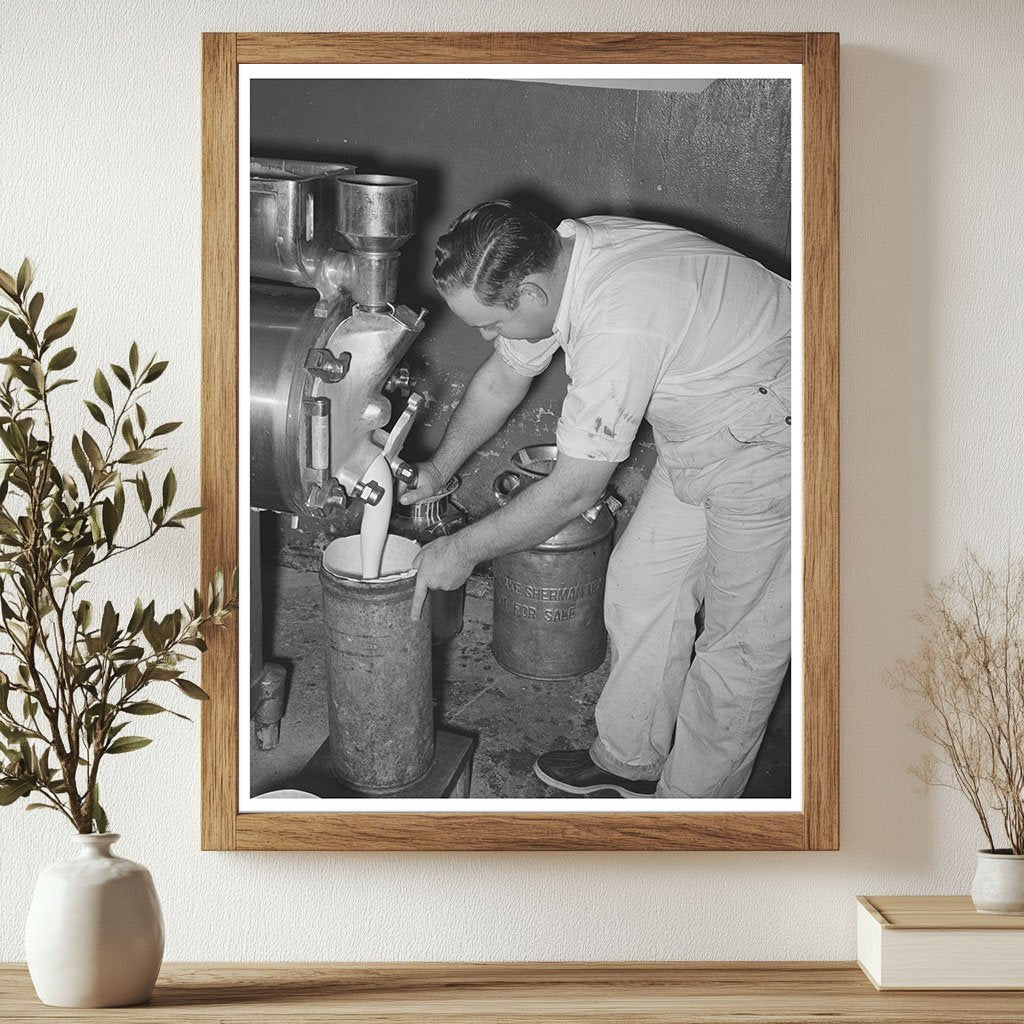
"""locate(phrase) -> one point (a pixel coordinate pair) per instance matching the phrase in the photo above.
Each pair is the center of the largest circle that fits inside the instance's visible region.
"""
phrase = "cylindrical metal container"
(380, 699)
(376, 212)
(424, 521)
(549, 600)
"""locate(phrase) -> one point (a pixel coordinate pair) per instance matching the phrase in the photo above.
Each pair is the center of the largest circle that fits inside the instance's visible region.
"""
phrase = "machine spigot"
(371, 493)
(405, 473)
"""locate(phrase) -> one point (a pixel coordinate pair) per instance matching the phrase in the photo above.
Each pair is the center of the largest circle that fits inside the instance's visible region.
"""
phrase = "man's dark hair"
(491, 248)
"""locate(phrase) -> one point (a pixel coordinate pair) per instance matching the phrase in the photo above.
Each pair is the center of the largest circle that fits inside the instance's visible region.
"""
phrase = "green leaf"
(185, 513)
(170, 674)
(99, 817)
(191, 690)
(145, 498)
(63, 359)
(7, 283)
(165, 428)
(128, 433)
(133, 358)
(109, 521)
(154, 372)
(119, 499)
(95, 412)
(170, 488)
(81, 461)
(102, 388)
(83, 613)
(60, 326)
(140, 415)
(143, 707)
(125, 744)
(108, 626)
(20, 328)
(11, 791)
(138, 614)
(35, 308)
(26, 273)
(42, 807)
(138, 455)
(92, 449)
(12, 733)
(121, 374)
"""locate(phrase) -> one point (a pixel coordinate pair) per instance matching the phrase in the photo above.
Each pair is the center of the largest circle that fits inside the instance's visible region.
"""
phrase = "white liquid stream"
(373, 531)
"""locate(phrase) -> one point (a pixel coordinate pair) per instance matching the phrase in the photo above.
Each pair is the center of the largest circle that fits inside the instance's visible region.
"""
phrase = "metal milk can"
(379, 676)
(549, 600)
(423, 521)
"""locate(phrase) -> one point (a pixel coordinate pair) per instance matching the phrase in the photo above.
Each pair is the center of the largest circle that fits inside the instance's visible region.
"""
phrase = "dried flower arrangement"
(967, 680)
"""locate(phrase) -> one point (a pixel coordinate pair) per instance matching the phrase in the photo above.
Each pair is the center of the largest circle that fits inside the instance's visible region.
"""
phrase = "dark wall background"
(716, 161)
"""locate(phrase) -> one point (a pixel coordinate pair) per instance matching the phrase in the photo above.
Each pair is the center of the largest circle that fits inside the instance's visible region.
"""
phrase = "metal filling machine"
(326, 338)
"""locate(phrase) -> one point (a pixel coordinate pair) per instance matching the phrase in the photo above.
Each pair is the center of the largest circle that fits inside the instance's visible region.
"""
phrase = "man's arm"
(492, 395)
(531, 517)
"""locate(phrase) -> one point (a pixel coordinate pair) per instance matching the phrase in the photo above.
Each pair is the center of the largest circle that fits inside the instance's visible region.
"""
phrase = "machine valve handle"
(400, 431)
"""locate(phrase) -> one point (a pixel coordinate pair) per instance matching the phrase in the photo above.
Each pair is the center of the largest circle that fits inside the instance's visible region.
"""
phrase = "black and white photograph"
(523, 354)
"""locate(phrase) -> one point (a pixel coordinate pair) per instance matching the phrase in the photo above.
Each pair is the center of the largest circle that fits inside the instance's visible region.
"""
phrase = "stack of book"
(938, 942)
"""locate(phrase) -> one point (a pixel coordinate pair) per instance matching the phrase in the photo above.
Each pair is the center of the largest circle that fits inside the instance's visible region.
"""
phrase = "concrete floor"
(515, 719)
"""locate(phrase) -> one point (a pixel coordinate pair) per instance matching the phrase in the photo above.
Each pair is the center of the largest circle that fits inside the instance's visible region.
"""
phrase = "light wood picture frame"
(816, 825)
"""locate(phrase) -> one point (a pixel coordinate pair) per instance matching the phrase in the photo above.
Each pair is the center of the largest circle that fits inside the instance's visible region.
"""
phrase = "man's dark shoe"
(573, 771)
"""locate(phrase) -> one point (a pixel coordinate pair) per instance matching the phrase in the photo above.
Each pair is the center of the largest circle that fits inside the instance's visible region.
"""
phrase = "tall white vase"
(95, 933)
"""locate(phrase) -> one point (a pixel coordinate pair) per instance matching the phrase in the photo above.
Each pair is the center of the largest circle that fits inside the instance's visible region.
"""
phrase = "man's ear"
(530, 288)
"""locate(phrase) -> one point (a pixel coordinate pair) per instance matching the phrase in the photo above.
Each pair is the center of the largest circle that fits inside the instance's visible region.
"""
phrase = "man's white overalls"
(662, 323)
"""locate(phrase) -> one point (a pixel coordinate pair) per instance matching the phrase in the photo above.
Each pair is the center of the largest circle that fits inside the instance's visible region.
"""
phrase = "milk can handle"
(609, 501)
(505, 485)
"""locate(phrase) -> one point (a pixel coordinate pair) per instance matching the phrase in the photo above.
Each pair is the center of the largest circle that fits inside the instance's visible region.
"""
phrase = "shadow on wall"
(887, 330)
(715, 161)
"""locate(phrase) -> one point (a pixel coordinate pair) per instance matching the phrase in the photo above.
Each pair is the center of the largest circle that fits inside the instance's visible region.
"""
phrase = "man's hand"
(428, 483)
(441, 565)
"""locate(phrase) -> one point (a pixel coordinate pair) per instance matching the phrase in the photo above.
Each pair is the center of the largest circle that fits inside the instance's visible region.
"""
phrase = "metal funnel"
(376, 212)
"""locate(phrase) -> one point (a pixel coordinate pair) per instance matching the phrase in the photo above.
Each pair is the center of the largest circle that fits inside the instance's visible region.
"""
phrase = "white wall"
(100, 183)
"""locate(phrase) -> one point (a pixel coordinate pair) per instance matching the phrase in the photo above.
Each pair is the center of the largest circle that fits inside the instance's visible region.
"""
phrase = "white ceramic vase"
(95, 933)
(999, 882)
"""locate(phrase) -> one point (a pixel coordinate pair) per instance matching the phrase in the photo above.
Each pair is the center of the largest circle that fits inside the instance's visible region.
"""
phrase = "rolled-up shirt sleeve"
(612, 377)
(529, 358)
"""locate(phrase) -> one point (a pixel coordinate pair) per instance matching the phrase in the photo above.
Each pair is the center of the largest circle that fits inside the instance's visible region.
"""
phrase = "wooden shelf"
(612, 993)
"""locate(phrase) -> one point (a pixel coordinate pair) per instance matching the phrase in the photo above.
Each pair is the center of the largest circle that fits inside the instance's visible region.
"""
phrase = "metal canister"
(549, 600)
(380, 697)
(424, 521)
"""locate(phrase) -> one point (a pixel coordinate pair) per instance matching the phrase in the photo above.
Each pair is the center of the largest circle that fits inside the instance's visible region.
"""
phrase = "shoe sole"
(628, 794)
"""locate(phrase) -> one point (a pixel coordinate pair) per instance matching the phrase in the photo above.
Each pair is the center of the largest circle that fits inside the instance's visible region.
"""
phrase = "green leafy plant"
(74, 675)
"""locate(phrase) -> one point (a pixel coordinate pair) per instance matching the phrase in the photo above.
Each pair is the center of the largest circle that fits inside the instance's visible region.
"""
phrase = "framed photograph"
(520, 419)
